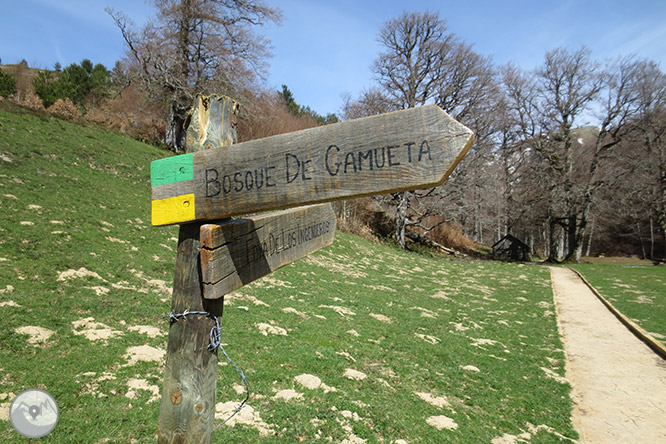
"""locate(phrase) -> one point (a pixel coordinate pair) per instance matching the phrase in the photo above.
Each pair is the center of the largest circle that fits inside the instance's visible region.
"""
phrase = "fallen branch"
(423, 240)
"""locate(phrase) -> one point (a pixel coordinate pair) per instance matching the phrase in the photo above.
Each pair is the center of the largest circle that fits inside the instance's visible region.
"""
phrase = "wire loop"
(214, 342)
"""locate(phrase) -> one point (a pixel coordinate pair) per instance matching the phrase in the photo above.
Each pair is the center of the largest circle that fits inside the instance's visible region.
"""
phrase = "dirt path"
(619, 384)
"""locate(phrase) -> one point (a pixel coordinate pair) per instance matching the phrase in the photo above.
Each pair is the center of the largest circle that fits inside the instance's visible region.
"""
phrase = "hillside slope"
(358, 343)
(72, 196)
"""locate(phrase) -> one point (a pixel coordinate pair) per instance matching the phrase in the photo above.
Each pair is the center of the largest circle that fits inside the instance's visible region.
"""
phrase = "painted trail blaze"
(175, 174)
(403, 150)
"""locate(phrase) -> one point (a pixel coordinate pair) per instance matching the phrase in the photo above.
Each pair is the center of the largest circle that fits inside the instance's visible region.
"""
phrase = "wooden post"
(187, 410)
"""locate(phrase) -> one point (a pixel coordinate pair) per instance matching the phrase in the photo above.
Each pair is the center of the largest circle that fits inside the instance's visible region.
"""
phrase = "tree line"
(81, 83)
(189, 47)
(77, 82)
(569, 156)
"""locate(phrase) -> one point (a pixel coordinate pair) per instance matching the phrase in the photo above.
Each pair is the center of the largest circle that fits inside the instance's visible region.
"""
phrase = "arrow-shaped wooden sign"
(403, 150)
(238, 252)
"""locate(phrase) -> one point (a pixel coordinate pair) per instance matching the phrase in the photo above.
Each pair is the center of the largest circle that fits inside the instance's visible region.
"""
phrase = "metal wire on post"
(214, 343)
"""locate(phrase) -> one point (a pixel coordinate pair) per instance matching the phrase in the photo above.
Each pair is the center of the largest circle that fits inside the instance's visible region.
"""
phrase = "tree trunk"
(401, 217)
(640, 239)
(574, 246)
(661, 218)
(589, 239)
(651, 238)
(498, 235)
(553, 244)
(578, 239)
(175, 127)
(423, 240)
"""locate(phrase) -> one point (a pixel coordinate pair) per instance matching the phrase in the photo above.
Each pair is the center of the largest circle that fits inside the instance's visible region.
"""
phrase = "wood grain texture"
(208, 126)
(187, 408)
(403, 150)
(243, 250)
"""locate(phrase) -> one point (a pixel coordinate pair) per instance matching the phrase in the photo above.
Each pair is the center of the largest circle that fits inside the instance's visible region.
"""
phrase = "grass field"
(358, 343)
(637, 290)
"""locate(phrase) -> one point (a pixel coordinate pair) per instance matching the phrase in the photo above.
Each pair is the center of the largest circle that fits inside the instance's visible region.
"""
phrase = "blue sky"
(324, 49)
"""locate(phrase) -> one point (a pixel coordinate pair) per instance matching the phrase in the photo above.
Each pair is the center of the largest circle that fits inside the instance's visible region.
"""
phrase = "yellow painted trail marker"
(403, 150)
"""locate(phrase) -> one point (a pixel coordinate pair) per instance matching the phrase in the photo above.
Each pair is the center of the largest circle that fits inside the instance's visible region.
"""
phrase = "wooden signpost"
(404, 150)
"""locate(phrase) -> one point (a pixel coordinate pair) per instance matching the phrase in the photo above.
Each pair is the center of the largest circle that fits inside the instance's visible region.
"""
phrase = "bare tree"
(626, 207)
(408, 69)
(567, 84)
(370, 103)
(547, 110)
(511, 165)
(196, 46)
(424, 63)
(517, 131)
(536, 169)
(408, 72)
(617, 105)
(467, 90)
(651, 124)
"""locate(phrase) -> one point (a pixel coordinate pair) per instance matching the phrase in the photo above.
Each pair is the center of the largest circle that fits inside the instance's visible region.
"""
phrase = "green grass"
(74, 197)
(637, 290)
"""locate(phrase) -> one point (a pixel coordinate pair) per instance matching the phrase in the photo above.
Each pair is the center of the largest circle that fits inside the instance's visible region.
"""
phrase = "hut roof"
(511, 239)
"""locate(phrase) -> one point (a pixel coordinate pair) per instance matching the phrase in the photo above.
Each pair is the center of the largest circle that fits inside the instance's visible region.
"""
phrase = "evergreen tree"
(289, 101)
(76, 82)
(7, 84)
(46, 87)
(298, 110)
